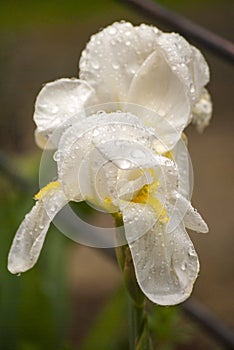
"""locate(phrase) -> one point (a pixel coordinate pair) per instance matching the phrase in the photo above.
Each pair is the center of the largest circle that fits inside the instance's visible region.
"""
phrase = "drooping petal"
(202, 111)
(113, 56)
(166, 265)
(56, 103)
(30, 236)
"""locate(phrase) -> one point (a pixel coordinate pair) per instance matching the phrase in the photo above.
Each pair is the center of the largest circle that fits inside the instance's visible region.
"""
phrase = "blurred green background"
(73, 299)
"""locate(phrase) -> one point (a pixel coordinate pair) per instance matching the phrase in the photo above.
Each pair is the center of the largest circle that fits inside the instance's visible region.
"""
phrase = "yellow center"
(51, 186)
(145, 196)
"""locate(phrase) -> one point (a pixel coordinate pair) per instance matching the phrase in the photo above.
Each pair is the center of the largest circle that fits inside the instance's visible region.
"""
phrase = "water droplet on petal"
(57, 155)
(96, 132)
(137, 153)
(54, 109)
(112, 30)
(115, 65)
(95, 64)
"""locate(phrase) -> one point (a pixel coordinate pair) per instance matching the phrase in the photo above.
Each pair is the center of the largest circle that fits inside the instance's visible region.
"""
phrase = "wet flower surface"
(117, 134)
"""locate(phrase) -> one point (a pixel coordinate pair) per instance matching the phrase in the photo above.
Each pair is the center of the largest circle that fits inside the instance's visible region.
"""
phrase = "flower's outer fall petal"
(31, 234)
(166, 265)
(56, 103)
(202, 111)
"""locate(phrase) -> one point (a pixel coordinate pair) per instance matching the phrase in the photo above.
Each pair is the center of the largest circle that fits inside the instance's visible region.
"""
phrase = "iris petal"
(29, 239)
(166, 265)
(112, 57)
(56, 103)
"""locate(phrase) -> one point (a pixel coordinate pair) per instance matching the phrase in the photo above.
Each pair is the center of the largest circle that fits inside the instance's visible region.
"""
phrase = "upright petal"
(31, 234)
(157, 87)
(113, 56)
(166, 265)
(142, 65)
(56, 103)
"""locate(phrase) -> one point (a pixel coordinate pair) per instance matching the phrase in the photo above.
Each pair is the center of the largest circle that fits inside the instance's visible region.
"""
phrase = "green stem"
(136, 318)
(139, 334)
(132, 328)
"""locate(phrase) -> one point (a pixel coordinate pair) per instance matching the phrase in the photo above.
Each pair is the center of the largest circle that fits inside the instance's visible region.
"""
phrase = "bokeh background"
(73, 298)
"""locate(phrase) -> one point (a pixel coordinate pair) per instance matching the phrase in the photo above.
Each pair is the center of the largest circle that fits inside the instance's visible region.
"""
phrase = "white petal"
(79, 158)
(166, 265)
(113, 56)
(186, 61)
(184, 165)
(201, 74)
(57, 102)
(194, 221)
(142, 65)
(169, 82)
(128, 188)
(183, 211)
(128, 154)
(157, 87)
(202, 111)
(30, 236)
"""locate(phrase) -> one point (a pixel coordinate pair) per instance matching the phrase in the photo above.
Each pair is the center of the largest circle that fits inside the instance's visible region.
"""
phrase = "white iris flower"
(117, 132)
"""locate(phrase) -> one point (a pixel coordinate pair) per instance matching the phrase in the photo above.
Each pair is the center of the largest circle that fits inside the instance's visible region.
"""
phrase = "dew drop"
(123, 164)
(112, 30)
(191, 252)
(57, 156)
(52, 209)
(96, 132)
(54, 109)
(115, 65)
(184, 266)
(137, 153)
(95, 64)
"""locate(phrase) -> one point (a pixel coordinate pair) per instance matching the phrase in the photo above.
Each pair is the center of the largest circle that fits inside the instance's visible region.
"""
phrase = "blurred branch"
(209, 40)
(210, 322)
